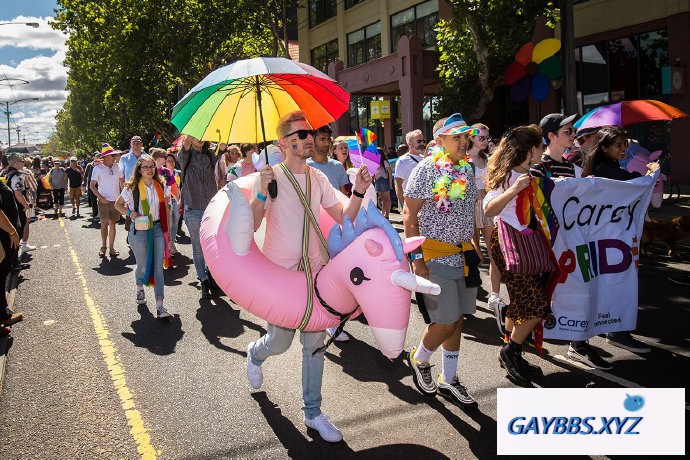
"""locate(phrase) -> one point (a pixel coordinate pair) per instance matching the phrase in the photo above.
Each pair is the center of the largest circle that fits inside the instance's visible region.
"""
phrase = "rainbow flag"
(535, 200)
(365, 137)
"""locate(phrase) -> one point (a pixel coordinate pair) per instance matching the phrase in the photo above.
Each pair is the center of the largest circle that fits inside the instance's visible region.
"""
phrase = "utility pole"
(7, 113)
(18, 131)
(568, 52)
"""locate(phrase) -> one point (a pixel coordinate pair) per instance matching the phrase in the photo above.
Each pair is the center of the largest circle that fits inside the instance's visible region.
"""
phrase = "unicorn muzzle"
(414, 283)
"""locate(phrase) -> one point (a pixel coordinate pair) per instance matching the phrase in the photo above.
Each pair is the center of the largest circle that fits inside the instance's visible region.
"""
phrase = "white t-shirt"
(405, 165)
(285, 216)
(509, 213)
(108, 180)
(152, 197)
(479, 175)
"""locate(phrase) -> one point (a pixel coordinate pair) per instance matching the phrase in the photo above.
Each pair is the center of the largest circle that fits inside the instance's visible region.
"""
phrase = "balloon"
(366, 274)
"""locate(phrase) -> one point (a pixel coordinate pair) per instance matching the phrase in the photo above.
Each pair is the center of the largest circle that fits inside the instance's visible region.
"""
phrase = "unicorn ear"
(412, 243)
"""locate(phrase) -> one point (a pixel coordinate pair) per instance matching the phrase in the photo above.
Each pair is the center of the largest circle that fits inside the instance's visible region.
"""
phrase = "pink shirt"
(285, 216)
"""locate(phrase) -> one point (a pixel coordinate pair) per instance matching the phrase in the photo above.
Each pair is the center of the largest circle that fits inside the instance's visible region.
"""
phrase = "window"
(360, 116)
(364, 45)
(419, 20)
(320, 10)
(351, 3)
(323, 55)
(653, 56)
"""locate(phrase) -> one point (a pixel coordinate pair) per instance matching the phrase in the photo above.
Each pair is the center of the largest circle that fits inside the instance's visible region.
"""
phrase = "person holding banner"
(507, 175)
(609, 147)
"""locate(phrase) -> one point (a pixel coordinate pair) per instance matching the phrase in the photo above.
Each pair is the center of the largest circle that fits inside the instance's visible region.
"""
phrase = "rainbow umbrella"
(628, 113)
(243, 101)
(370, 156)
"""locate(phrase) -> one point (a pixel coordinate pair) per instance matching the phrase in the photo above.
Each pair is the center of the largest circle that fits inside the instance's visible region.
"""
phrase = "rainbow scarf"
(147, 279)
(535, 199)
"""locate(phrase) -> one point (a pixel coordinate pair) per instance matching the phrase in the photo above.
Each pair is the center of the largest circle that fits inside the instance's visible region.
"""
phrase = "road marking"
(115, 366)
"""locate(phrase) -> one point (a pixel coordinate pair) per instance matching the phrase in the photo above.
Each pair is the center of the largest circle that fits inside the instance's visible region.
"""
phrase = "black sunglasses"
(302, 133)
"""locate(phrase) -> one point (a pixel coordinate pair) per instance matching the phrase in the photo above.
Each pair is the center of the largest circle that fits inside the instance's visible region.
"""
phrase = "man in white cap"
(106, 184)
(129, 160)
(445, 216)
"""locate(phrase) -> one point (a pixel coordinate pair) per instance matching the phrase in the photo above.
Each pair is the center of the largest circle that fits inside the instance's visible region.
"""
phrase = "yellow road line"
(115, 367)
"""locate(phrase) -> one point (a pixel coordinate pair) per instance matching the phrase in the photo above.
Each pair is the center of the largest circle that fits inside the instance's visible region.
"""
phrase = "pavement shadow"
(115, 266)
(157, 336)
(179, 270)
(218, 320)
(365, 363)
(298, 446)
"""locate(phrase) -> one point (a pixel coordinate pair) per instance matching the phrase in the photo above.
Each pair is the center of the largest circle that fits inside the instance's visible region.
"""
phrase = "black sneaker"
(528, 367)
(206, 290)
(626, 341)
(456, 393)
(421, 374)
(512, 365)
(585, 354)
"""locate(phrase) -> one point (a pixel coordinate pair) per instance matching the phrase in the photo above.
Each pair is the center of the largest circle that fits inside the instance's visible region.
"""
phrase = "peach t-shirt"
(285, 216)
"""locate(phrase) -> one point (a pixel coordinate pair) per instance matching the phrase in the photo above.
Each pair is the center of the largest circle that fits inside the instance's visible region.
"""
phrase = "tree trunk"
(483, 54)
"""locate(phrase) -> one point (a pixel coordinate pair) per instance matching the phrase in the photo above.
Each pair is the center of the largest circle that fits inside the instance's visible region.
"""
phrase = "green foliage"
(129, 60)
(478, 43)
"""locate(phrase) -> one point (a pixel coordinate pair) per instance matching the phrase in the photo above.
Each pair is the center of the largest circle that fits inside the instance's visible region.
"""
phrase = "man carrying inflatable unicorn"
(282, 244)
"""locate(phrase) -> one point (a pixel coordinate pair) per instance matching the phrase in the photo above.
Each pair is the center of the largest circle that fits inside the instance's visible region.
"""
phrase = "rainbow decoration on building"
(535, 200)
(535, 65)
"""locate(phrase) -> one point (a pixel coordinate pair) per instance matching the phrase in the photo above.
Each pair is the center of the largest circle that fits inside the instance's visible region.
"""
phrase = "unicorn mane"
(341, 237)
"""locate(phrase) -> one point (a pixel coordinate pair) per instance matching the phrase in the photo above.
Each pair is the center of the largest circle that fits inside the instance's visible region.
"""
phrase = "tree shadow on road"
(158, 336)
(298, 446)
(218, 319)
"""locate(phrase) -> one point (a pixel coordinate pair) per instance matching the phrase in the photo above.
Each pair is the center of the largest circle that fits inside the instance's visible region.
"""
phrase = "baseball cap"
(73, 159)
(135, 139)
(455, 124)
(553, 121)
(585, 131)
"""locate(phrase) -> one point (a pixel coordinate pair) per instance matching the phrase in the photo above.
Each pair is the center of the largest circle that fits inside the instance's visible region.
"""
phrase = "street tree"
(478, 43)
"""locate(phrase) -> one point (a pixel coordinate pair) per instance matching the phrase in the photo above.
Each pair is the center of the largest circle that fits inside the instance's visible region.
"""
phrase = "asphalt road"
(93, 375)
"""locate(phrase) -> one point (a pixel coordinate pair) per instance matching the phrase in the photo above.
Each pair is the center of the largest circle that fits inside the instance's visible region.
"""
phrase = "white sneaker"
(499, 308)
(27, 247)
(141, 297)
(254, 373)
(342, 337)
(162, 312)
(326, 429)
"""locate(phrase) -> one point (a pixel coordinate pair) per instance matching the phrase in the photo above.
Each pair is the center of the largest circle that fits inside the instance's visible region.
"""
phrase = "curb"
(11, 290)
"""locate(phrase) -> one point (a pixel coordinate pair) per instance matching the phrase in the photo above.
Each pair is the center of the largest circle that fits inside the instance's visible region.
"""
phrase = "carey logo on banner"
(597, 248)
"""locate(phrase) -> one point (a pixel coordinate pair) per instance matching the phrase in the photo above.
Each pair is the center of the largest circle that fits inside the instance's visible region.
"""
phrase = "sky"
(34, 55)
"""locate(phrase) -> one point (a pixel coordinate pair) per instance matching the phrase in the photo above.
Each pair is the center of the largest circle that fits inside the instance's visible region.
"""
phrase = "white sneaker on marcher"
(342, 337)
(254, 373)
(326, 429)
(27, 247)
(162, 312)
(141, 297)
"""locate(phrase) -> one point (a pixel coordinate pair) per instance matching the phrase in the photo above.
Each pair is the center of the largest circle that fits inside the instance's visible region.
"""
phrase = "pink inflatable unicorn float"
(366, 273)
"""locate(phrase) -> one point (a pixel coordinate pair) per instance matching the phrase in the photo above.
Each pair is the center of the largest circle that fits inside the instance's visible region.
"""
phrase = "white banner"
(597, 248)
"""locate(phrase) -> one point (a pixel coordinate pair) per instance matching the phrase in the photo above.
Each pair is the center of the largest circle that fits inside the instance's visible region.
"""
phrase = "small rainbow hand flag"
(536, 200)
(365, 137)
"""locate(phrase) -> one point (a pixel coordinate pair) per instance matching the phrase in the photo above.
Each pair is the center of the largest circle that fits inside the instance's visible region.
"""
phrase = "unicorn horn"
(414, 283)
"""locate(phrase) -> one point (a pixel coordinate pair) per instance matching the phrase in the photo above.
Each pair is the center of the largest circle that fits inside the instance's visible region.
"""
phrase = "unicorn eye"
(357, 276)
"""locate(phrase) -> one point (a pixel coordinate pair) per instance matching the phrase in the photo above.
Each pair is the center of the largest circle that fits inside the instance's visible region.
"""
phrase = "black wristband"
(357, 194)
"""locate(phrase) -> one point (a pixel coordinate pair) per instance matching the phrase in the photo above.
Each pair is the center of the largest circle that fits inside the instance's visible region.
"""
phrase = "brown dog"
(669, 232)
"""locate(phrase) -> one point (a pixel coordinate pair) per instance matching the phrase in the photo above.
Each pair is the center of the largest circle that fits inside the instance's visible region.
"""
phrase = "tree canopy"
(478, 43)
(130, 60)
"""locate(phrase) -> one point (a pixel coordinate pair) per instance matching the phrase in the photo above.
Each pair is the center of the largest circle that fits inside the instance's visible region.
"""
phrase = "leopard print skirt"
(528, 297)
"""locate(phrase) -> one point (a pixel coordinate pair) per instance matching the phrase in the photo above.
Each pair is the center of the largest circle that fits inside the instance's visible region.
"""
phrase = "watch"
(413, 256)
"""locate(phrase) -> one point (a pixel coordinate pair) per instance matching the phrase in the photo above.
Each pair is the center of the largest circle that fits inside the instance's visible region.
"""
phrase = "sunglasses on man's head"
(302, 133)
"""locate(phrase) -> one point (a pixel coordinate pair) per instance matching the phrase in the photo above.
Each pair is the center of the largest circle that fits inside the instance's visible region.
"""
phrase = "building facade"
(385, 50)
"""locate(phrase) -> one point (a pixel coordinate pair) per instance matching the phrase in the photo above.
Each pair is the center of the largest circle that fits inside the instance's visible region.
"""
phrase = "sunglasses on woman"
(483, 138)
(302, 133)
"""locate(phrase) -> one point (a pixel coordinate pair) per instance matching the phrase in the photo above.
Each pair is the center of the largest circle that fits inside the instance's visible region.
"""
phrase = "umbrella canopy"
(242, 101)
(627, 113)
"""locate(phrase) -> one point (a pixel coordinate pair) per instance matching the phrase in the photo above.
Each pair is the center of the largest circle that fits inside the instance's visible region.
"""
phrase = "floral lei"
(452, 184)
